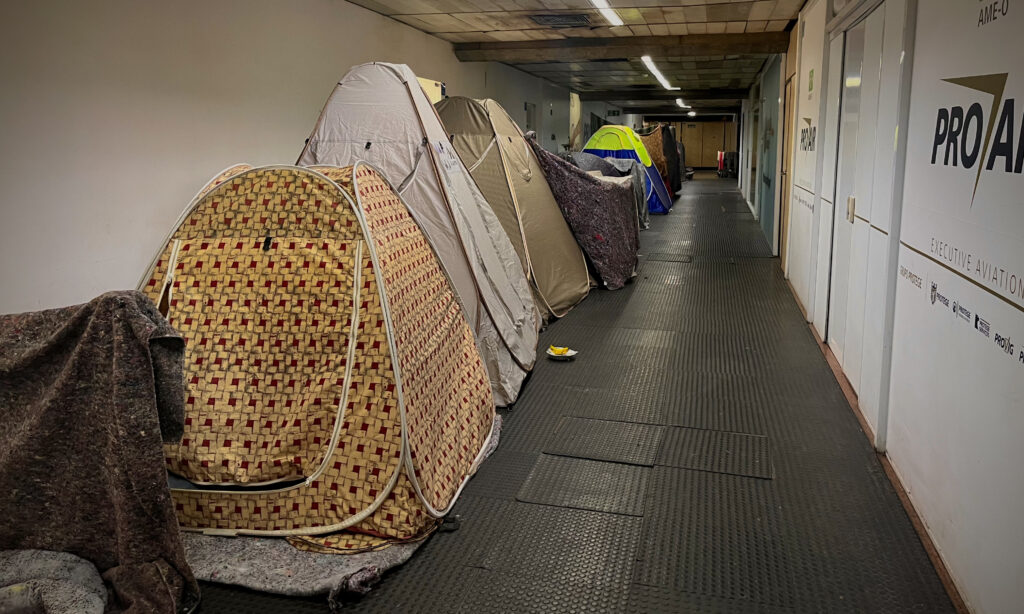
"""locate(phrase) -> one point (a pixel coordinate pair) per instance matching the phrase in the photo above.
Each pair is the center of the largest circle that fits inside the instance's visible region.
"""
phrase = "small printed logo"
(938, 296)
(1004, 343)
(808, 135)
(961, 311)
(981, 324)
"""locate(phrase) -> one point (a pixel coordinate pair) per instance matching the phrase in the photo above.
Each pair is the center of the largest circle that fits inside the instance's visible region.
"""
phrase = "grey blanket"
(590, 162)
(44, 582)
(620, 167)
(88, 395)
(602, 217)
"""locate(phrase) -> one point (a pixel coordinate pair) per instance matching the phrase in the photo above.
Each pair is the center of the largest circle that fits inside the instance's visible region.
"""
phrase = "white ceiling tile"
(762, 11)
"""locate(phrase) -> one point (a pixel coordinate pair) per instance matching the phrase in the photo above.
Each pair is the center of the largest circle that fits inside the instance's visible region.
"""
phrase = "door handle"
(851, 208)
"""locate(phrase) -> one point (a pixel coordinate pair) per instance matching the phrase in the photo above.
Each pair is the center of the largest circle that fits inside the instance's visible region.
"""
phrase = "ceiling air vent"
(564, 20)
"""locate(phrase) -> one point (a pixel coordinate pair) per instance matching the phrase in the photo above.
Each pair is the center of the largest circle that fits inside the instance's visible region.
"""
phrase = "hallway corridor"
(697, 456)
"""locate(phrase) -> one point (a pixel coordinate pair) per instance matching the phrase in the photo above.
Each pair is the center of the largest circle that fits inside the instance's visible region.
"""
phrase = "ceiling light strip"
(649, 63)
(607, 12)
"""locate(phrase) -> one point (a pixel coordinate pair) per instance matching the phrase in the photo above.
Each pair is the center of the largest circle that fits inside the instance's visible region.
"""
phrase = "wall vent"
(562, 20)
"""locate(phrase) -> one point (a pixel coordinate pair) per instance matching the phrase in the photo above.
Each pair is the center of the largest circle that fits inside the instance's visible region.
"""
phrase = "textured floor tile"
(716, 451)
(586, 484)
(619, 442)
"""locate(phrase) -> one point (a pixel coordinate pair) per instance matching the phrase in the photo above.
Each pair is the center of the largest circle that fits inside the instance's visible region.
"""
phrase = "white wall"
(806, 134)
(951, 403)
(115, 112)
(957, 404)
(601, 109)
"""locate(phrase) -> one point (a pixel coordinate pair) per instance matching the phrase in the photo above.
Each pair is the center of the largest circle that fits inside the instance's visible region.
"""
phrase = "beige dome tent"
(508, 174)
(329, 367)
(379, 113)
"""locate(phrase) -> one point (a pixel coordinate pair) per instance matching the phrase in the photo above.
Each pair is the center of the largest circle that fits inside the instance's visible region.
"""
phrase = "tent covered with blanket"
(661, 146)
(613, 141)
(379, 113)
(602, 216)
(334, 393)
(619, 167)
(508, 174)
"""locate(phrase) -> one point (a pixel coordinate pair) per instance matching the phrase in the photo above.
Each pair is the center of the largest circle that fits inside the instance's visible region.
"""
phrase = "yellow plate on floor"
(555, 354)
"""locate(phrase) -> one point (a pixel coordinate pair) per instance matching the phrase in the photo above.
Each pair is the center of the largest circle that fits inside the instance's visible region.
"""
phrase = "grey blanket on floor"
(602, 217)
(88, 395)
(273, 565)
(44, 582)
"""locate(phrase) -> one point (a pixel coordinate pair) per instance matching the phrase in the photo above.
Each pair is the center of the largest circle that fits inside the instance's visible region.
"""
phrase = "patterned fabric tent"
(504, 167)
(661, 145)
(329, 368)
(378, 113)
(614, 141)
(655, 148)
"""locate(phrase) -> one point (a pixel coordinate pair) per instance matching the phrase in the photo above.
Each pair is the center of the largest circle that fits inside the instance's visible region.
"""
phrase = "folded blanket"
(88, 395)
(590, 162)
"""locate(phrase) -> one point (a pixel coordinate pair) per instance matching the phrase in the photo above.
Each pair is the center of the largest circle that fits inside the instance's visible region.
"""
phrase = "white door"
(855, 177)
(842, 226)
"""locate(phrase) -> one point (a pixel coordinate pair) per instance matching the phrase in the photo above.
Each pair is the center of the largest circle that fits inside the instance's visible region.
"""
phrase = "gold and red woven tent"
(335, 394)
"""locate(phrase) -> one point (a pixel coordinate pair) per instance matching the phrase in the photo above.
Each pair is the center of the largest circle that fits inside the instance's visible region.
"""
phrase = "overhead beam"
(663, 94)
(583, 49)
(680, 112)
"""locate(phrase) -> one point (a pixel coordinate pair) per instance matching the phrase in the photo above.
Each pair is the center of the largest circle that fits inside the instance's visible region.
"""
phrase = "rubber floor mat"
(716, 451)
(716, 534)
(562, 545)
(587, 485)
(499, 593)
(605, 440)
(226, 599)
(670, 257)
(661, 600)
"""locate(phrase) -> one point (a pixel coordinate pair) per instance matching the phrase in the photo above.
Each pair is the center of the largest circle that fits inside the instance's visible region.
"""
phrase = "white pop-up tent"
(379, 113)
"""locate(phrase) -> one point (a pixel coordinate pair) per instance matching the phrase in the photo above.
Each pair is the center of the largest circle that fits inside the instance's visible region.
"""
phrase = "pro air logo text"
(808, 135)
(966, 137)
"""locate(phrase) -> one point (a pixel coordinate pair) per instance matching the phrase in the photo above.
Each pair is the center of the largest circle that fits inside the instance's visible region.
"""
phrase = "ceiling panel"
(490, 21)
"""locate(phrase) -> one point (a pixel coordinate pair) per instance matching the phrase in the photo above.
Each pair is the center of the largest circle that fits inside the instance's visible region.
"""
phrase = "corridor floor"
(697, 456)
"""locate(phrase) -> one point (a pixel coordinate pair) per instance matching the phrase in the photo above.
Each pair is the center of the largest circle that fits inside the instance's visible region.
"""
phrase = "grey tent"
(378, 113)
(507, 172)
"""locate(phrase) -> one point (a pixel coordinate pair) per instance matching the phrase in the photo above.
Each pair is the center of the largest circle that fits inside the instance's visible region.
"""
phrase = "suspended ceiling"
(711, 49)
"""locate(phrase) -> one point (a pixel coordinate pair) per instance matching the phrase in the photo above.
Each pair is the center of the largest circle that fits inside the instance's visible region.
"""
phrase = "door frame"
(788, 116)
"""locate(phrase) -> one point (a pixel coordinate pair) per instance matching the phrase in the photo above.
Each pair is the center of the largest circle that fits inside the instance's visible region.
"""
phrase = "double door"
(862, 203)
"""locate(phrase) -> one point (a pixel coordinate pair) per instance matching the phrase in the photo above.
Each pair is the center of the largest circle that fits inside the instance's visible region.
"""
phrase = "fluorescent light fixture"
(681, 104)
(607, 12)
(692, 114)
(649, 63)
